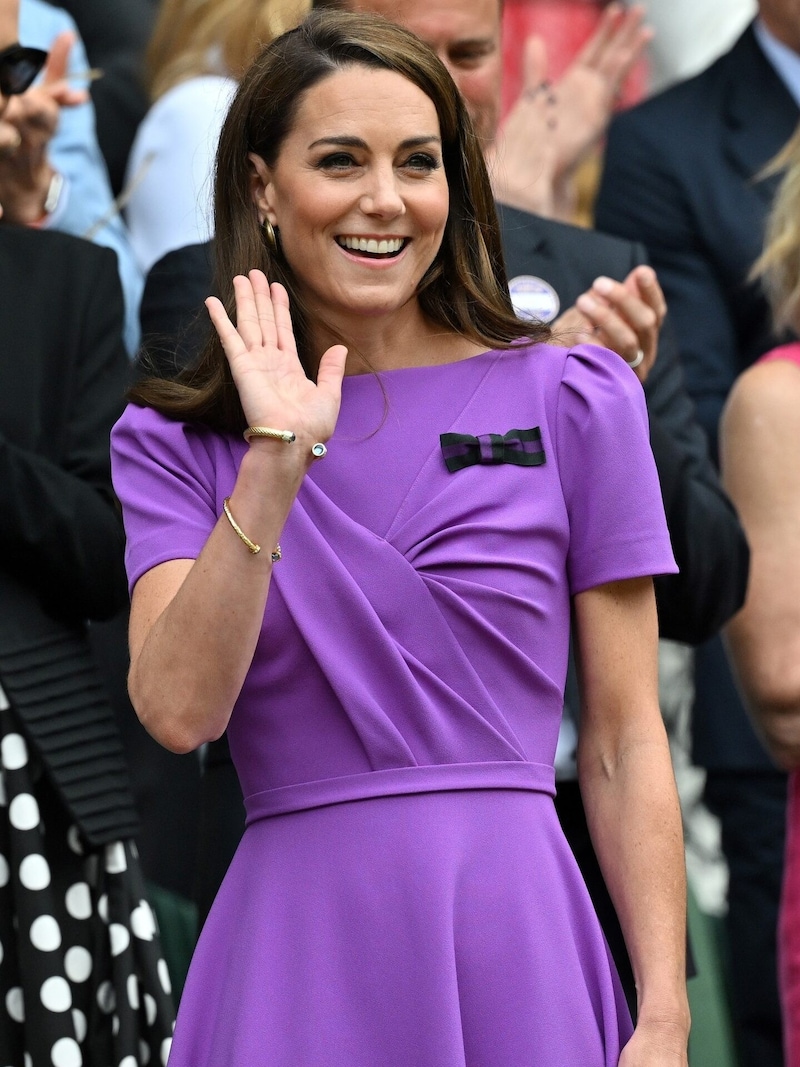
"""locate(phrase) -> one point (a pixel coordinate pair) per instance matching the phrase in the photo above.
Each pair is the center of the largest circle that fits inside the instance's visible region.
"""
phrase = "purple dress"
(403, 895)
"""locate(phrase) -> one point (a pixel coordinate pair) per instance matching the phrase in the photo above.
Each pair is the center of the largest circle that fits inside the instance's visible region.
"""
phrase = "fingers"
(623, 320)
(617, 42)
(646, 283)
(331, 372)
(534, 65)
(55, 69)
(284, 331)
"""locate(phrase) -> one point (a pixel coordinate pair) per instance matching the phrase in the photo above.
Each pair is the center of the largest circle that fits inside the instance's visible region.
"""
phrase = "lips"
(373, 247)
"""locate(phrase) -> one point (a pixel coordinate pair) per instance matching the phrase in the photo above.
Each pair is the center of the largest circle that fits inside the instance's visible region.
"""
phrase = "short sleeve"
(165, 477)
(608, 475)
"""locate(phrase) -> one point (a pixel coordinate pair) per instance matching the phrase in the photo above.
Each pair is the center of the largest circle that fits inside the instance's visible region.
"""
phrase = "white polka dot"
(142, 922)
(166, 1045)
(74, 840)
(129, 1061)
(23, 812)
(133, 992)
(120, 938)
(15, 1004)
(163, 974)
(80, 1025)
(102, 907)
(150, 1008)
(79, 901)
(4, 871)
(3, 799)
(45, 934)
(134, 850)
(115, 1025)
(78, 963)
(13, 752)
(116, 860)
(66, 1053)
(106, 997)
(34, 872)
(56, 994)
(1, 952)
(144, 1053)
(28, 1060)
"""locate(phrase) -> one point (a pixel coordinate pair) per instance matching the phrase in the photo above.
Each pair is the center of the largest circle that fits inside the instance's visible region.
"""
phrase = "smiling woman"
(435, 492)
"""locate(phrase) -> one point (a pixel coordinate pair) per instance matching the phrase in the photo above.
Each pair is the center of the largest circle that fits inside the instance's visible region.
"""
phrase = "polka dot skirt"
(82, 980)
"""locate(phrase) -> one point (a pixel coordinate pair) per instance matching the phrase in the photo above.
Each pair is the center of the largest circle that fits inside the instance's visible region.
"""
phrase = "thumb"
(58, 59)
(331, 370)
(534, 63)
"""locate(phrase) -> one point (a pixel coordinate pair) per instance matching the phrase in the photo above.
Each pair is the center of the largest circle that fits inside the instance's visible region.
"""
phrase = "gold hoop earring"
(269, 234)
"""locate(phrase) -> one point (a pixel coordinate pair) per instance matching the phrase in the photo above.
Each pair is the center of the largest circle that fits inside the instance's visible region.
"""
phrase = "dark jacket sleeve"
(707, 539)
(60, 530)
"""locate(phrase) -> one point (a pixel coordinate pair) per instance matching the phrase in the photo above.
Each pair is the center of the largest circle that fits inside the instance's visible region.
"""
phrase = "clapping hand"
(26, 128)
(550, 129)
(273, 386)
(623, 316)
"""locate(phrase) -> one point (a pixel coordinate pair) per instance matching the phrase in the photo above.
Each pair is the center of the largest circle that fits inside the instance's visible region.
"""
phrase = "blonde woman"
(198, 51)
(760, 450)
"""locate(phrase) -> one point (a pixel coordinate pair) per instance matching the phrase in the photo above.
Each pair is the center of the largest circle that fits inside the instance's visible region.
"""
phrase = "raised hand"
(273, 386)
(26, 128)
(623, 316)
(550, 129)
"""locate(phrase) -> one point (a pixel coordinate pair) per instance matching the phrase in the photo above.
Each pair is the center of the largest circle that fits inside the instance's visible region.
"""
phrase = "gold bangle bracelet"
(287, 436)
(275, 554)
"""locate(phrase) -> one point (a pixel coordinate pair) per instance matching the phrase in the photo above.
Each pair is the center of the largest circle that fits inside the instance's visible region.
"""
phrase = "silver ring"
(318, 450)
(634, 363)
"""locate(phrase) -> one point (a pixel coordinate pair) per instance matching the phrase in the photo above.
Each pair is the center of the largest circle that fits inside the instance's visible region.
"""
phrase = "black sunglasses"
(18, 67)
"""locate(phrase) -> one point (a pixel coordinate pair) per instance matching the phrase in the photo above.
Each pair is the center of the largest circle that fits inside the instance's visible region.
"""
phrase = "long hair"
(779, 263)
(195, 37)
(464, 290)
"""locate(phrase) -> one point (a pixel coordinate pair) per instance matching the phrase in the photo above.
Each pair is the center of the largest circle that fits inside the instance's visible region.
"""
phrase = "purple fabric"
(403, 894)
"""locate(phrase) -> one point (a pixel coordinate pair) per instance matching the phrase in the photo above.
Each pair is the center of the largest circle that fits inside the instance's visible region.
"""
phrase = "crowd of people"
(296, 314)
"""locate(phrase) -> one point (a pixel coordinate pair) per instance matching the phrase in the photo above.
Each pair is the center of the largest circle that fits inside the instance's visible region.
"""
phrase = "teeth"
(364, 244)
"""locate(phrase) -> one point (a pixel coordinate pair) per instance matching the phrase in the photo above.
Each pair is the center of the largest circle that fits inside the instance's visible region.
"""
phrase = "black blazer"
(63, 373)
(680, 176)
(706, 536)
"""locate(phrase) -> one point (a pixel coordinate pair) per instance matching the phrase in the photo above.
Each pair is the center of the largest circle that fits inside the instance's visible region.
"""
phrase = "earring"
(269, 234)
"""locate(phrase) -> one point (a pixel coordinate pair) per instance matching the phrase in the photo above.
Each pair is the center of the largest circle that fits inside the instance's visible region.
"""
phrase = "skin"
(545, 134)
(195, 624)
(28, 123)
(759, 445)
(782, 18)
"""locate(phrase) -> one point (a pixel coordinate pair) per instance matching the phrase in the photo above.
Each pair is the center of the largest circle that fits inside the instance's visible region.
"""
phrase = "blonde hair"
(195, 37)
(779, 263)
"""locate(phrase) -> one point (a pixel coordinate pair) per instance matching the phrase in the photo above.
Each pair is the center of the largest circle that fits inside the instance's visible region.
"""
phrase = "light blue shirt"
(784, 60)
(86, 206)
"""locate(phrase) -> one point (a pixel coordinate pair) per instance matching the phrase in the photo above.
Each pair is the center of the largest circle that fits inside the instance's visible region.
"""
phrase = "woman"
(197, 53)
(81, 974)
(760, 450)
(383, 629)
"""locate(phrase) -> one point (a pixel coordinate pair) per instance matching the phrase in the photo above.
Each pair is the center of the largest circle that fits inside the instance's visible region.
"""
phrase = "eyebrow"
(357, 142)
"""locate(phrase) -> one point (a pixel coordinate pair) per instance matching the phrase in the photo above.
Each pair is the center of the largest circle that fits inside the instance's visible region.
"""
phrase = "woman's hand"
(261, 350)
(656, 1045)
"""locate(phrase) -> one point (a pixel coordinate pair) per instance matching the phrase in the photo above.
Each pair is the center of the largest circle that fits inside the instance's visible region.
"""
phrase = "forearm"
(634, 819)
(189, 659)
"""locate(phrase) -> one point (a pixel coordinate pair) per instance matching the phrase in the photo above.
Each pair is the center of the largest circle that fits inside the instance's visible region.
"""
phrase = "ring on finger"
(637, 359)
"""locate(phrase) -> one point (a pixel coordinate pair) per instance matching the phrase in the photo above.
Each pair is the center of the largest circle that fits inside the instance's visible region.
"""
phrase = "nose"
(382, 197)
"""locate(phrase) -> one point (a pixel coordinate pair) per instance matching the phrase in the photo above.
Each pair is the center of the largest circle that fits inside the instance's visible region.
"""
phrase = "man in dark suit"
(681, 175)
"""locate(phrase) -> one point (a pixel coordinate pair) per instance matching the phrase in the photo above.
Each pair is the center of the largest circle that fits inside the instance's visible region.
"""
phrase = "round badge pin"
(533, 298)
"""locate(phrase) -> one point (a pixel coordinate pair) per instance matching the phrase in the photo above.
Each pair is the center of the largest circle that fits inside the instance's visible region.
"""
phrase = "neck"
(406, 338)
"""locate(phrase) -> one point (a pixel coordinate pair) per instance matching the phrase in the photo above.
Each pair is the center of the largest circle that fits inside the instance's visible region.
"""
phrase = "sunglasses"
(18, 68)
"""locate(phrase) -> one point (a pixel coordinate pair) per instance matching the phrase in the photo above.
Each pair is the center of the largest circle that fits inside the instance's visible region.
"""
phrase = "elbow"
(177, 725)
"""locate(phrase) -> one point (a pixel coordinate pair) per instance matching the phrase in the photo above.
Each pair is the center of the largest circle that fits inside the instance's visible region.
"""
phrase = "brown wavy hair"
(465, 289)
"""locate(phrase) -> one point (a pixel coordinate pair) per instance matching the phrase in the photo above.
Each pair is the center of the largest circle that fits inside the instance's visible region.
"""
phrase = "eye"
(470, 56)
(337, 161)
(422, 161)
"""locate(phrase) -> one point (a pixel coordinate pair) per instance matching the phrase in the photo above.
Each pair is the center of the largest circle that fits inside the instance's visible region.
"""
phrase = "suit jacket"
(707, 539)
(680, 176)
(63, 372)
